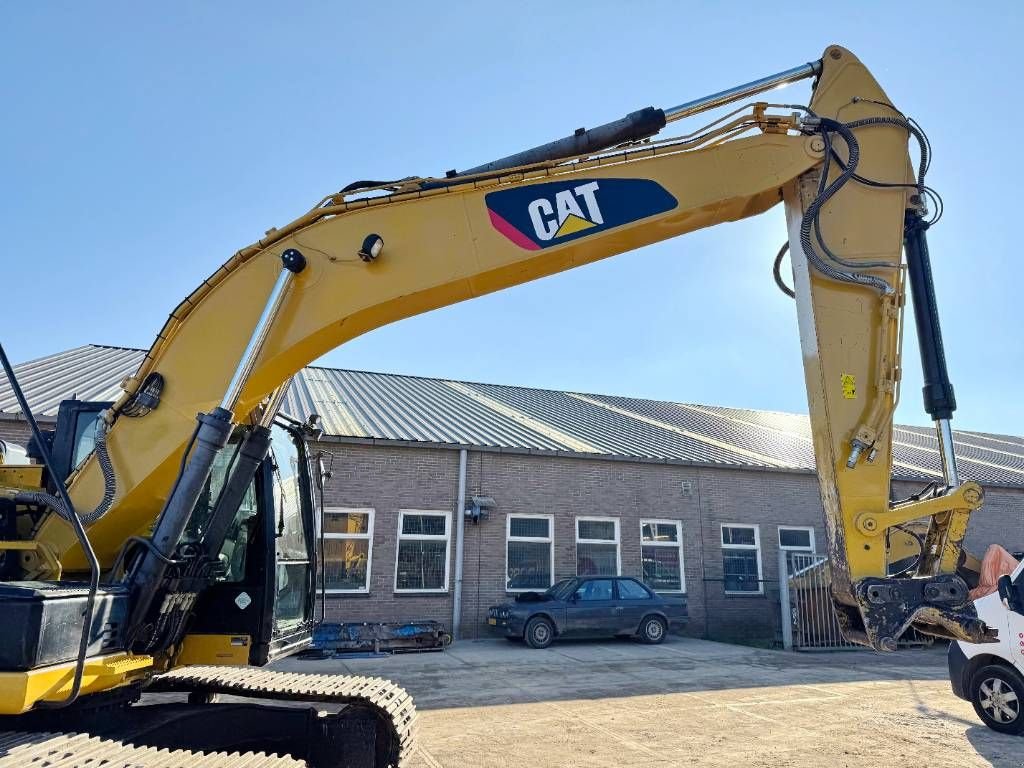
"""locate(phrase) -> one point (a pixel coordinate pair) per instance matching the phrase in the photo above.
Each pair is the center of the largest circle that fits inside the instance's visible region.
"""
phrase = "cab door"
(291, 528)
(263, 600)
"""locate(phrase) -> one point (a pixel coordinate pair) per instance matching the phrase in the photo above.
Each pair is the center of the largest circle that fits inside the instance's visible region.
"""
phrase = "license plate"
(493, 622)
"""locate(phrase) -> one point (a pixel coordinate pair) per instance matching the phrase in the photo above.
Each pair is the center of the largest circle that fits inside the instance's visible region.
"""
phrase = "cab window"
(290, 535)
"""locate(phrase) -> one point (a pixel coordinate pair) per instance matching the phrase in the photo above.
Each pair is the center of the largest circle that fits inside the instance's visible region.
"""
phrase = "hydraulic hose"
(777, 271)
(811, 214)
(109, 487)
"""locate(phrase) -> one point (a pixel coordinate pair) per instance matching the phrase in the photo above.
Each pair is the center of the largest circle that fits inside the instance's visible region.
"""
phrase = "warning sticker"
(849, 383)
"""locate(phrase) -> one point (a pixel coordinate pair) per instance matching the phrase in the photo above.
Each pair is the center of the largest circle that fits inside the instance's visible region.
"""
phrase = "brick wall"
(389, 479)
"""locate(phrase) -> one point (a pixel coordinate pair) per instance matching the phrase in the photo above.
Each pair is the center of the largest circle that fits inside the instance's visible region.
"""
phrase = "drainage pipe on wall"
(460, 528)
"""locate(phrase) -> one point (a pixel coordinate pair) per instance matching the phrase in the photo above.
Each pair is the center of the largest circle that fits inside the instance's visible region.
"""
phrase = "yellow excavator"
(150, 549)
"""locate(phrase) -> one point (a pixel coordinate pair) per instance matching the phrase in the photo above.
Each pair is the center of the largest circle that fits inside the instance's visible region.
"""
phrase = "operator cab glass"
(233, 553)
(291, 537)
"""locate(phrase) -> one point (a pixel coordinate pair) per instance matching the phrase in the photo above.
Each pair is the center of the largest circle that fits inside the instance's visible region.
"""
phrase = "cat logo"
(566, 216)
(539, 216)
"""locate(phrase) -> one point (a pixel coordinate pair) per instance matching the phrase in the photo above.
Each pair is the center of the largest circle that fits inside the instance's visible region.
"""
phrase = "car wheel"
(539, 632)
(997, 693)
(653, 630)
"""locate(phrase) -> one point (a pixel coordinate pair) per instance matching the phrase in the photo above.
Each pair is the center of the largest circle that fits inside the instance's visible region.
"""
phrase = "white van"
(991, 675)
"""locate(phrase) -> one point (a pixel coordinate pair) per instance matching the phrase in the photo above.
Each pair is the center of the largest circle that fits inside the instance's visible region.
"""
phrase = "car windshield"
(561, 589)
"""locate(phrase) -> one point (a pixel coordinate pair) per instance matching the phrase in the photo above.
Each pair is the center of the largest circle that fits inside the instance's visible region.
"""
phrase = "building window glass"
(798, 544)
(529, 552)
(423, 551)
(661, 550)
(741, 559)
(348, 548)
(597, 546)
(796, 539)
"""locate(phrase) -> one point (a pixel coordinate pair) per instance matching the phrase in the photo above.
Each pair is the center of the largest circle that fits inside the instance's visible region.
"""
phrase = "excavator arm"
(378, 252)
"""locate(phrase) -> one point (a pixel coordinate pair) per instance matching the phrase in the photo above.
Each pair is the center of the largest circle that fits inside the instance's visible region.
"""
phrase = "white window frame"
(367, 537)
(550, 541)
(756, 546)
(810, 532)
(678, 543)
(618, 540)
(447, 515)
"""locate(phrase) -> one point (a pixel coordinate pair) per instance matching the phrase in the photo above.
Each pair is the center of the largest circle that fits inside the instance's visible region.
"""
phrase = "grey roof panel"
(90, 372)
(416, 409)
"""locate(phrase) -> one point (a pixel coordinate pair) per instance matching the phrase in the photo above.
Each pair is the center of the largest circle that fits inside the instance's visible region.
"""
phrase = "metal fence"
(807, 615)
(808, 618)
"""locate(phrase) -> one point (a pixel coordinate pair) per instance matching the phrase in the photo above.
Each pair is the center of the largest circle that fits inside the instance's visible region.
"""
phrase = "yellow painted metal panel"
(231, 650)
(20, 691)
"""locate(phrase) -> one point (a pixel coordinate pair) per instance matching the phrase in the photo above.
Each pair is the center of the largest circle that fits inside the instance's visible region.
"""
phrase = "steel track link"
(388, 699)
(79, 750)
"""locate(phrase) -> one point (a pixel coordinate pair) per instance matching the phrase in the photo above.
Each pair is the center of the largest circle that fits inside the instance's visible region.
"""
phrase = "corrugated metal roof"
(358, 404)
(92, 372)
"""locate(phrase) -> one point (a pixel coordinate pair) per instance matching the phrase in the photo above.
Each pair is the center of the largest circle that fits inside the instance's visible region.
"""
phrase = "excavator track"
(391, 702)
(78, 750)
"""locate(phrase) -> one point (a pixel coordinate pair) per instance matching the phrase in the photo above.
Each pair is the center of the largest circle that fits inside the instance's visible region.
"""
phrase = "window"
(529, 554)
(348, 548)
(741, 559)
(797, 542)
(242, 529)
(595, 589)
(597, 546)
(423, 543)
(796, 539)
(632, 590)
(661, 550)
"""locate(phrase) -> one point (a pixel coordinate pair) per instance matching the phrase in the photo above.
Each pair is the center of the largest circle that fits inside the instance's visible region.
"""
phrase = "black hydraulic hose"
(80, 534)
(811, 214)
(918, 134)
(777, 271)
(109, 488)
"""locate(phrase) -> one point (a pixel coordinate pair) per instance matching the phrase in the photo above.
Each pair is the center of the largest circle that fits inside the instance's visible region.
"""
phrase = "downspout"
(460, 528)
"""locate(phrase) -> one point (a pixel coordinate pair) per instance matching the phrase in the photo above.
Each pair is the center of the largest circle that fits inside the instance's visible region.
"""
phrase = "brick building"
(691, 498)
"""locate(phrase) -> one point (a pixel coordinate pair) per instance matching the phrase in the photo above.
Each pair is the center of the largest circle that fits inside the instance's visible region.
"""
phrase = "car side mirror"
(1010, 594)
(574, 598)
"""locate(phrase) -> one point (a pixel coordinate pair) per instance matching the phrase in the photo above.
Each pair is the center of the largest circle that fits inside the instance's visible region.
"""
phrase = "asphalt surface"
(687, 702)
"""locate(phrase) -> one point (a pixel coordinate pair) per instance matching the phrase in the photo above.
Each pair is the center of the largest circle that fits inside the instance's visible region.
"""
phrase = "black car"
(589, 606)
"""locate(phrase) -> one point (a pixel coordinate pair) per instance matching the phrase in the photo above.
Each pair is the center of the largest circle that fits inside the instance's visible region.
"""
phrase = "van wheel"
(997, 693)
(653, 630)
(539, 632)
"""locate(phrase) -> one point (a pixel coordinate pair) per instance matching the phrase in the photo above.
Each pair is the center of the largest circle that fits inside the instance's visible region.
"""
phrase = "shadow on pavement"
(999, 749)
(497, 672)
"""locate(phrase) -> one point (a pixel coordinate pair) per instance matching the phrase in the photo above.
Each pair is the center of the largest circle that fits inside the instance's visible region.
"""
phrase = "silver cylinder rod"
(293, 263)
(944, 432)
(743, 91)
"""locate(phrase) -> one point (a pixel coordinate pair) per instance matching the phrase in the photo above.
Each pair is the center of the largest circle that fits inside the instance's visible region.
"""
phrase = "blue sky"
(143, 143)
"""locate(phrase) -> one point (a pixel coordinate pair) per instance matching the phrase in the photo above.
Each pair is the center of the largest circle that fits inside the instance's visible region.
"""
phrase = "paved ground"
(687, 702)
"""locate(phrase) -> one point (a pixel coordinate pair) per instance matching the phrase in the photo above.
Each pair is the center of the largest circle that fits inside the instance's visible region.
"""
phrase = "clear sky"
(143, 143)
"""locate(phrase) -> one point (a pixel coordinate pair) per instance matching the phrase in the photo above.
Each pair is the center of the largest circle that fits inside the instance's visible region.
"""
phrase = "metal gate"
(808, 618)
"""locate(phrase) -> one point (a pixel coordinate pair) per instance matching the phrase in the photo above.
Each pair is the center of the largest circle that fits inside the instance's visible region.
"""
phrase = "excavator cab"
(266, 589)
(258, 602)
